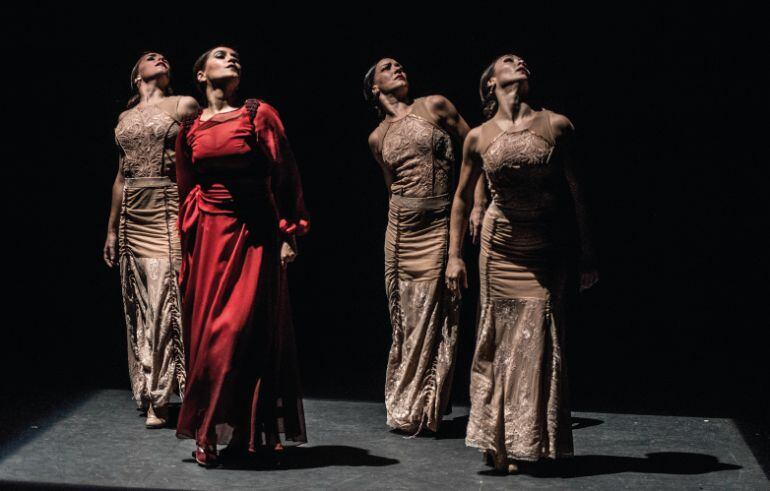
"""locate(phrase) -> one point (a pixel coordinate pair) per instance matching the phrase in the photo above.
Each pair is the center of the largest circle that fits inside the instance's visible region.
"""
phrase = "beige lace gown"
(423, 315)
(519, 406)
(149, 253)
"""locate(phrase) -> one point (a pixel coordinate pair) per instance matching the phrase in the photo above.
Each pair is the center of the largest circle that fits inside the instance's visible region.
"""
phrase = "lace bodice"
(518, 166)
(147, 136)
(419, 155)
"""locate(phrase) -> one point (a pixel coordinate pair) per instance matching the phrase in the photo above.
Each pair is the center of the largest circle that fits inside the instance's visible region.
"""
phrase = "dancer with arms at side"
(142, 235)
(413, 145)
(519, 400)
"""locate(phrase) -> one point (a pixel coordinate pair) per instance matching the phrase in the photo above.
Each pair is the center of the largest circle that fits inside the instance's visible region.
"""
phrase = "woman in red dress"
(242, 206)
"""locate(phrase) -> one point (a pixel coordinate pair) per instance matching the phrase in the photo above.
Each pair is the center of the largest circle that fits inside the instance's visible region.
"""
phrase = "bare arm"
(374, 146)
(565, 136)
(110, 243)
(480, 202)
(463, 199)
(186, 106)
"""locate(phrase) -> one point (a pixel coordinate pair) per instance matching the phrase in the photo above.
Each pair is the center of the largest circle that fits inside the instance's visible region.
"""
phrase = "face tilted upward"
(152, 66)
(223, 63)
(390, 77)
(510, 69)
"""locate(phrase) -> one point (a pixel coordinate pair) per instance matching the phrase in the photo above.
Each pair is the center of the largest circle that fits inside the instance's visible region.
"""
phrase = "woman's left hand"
(288, 253)
(588, 278)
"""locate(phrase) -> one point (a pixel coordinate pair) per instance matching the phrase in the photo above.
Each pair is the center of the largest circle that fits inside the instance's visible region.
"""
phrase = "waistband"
(433, 203)
(149, 182)
(235, 182)
(536, 216)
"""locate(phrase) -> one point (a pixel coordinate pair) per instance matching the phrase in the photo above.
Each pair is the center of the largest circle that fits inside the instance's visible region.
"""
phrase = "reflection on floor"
(101, 441)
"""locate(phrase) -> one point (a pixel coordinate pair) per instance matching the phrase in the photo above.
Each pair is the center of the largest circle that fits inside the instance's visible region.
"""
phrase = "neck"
(149, 91)
(393, 106)
(219, 98)
(510, 105)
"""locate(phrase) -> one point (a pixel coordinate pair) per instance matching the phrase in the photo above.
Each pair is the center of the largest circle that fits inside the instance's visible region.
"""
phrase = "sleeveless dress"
(519, 405)
(149, 254)
(424, 316)
(241, 195)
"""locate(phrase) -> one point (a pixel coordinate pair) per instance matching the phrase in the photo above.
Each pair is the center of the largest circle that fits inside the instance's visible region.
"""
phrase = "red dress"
(241, 195)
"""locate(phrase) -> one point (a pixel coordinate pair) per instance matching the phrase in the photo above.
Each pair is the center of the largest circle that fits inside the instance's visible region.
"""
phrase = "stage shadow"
(580, 423)
(307, 458)
(449, 429)
(452, 428)
(595, 465)
(456, 428)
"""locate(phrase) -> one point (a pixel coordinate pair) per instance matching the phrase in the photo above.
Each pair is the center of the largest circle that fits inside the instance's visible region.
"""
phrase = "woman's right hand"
(475, 221)
(456, 275)
(110, 249)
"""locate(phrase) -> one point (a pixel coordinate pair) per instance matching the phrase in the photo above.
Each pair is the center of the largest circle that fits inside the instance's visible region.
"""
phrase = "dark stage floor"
(100, 441)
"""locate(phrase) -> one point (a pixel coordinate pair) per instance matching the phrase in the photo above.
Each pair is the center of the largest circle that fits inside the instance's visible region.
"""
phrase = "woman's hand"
(110, 249)
(476, 219)
(456, 275)
(288, 253)
(589, 275)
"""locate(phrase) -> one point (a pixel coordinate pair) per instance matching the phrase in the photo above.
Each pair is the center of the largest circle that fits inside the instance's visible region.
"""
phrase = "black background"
(666, 107)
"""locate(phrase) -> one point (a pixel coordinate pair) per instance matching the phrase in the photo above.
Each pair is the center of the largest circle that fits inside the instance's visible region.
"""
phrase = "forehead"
(225, 49)
(151, 54)
(508, 55)
(385, 61)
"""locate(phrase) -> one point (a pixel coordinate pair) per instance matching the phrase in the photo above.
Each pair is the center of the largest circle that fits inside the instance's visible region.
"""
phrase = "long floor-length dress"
(423, 313)
(149, 255)
(241, 195)
(519, 405)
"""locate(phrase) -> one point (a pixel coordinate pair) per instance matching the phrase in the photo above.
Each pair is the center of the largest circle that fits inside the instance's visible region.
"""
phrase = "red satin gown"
(241, 196)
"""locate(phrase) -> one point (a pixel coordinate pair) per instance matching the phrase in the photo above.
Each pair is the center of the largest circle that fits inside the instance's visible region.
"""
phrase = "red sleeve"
(286, 183)
(184, 173)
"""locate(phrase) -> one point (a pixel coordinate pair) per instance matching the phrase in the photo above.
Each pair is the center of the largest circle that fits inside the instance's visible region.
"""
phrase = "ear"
(200, 76)
(375, 90)
(492, 82)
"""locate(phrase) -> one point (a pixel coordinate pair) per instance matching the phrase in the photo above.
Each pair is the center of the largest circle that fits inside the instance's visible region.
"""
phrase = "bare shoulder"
(561, 125)
(439, 105)
(187, 106)
(374, 139)
(472, 140)
(123, 115)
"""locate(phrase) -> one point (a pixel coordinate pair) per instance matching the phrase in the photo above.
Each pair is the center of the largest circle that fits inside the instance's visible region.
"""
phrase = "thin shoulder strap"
(489, 132)
(420, 109)
(382, 129)
(545, 125)
(170, 106)
(176, 108)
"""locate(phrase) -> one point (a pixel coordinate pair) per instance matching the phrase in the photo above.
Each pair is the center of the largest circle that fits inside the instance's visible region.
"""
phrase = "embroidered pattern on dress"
(518, 170)
(420, 156)
(144, 135)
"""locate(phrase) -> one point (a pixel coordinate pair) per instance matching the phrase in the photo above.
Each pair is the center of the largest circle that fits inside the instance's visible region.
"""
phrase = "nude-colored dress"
(149, 252)
(519, 406)
(424, 317)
